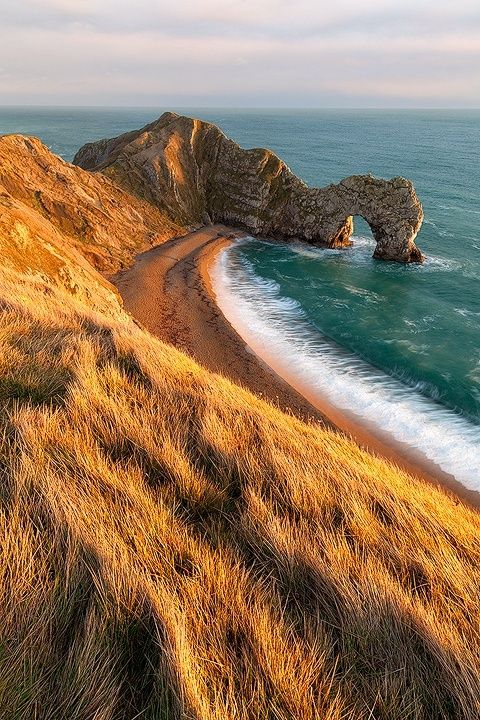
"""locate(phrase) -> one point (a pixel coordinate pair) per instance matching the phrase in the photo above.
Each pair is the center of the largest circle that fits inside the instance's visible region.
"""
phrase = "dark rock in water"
(194, 173)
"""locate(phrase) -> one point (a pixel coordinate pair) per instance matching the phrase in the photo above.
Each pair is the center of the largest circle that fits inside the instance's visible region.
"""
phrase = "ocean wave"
(360, 243)
(415, 349)
(276, 328)
(435, 262)
(360, 252)
(465, 312)
(368, 295)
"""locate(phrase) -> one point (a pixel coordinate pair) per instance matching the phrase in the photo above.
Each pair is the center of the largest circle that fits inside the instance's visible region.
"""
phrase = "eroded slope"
(106, 224)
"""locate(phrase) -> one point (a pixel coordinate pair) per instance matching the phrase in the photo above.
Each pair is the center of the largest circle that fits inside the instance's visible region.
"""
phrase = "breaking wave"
(276, 328)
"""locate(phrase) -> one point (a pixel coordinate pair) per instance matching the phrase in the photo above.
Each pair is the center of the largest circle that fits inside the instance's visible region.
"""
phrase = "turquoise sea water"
(401, 344)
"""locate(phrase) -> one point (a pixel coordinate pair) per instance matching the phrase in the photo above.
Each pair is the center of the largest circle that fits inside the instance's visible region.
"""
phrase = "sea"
(397, 347)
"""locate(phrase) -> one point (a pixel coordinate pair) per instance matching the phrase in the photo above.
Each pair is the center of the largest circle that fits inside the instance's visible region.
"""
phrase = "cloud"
(268, 51)
(267, 17)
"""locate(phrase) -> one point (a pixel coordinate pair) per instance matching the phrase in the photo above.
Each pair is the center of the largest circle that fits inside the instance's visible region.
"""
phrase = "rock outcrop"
(106, 224)
(60, 225)
(194, 174)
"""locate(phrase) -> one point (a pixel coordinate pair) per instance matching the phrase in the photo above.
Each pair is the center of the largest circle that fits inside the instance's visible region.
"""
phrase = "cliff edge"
(194, 174)
(63, 227)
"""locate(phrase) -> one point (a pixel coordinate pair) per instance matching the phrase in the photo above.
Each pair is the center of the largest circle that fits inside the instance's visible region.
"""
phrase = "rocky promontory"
(194, 174)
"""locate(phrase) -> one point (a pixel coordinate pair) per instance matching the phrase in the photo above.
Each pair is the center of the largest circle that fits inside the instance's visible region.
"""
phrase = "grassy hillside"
(87, 211)
(172, 547)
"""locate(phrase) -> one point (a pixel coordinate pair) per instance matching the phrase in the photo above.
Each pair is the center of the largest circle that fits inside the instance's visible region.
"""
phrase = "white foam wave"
(276, 328)
(465, 312)
(361, 252)
(360, 245)
(434, 262)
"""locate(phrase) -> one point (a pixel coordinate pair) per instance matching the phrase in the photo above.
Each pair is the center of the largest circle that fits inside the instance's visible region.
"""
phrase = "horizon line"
(236, 107)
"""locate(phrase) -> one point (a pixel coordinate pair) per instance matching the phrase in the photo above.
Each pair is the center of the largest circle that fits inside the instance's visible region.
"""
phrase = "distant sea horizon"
(174, 107)
(399, 345)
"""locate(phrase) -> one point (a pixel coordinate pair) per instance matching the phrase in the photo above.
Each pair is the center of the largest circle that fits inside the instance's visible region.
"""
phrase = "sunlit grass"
(174, 547)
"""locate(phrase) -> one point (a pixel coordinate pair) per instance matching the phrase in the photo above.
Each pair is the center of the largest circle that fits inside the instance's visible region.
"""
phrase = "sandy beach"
(169, 291)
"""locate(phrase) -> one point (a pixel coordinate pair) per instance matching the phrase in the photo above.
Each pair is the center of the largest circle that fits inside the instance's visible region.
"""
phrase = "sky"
(243, 53)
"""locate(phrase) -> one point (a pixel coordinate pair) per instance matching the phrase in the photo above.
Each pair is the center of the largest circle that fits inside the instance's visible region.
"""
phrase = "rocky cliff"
(106, 224)
(59, 225)
(194, 174)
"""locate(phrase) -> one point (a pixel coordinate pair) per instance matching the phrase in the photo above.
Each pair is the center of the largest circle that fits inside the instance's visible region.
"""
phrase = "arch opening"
(361, 228)
(393, 241)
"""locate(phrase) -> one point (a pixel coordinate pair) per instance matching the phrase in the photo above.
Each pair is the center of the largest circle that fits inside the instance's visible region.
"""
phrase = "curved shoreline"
(169, 291)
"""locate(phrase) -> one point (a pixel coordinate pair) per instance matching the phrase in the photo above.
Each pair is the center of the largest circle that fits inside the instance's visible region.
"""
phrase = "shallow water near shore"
(281, 320)
(400, 346)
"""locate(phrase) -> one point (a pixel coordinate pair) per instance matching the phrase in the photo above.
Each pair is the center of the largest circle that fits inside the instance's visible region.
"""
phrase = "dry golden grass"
(173, 547)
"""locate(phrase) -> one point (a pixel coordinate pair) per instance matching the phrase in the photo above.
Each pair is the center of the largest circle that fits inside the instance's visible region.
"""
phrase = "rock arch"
(391, 209)
(194, 173)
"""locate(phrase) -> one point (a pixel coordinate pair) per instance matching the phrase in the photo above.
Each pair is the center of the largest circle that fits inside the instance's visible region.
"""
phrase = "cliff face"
(59, 225)
(93, 215)
(192, 172)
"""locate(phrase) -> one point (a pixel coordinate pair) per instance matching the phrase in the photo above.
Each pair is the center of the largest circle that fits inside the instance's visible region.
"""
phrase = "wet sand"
(168, 291)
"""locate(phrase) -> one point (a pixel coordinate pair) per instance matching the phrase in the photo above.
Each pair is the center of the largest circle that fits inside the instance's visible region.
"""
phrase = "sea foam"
(276, 328)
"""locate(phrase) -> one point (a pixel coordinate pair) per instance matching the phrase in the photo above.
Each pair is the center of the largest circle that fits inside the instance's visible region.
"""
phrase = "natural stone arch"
(390, 208)
(393, 212)
(194, 173)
